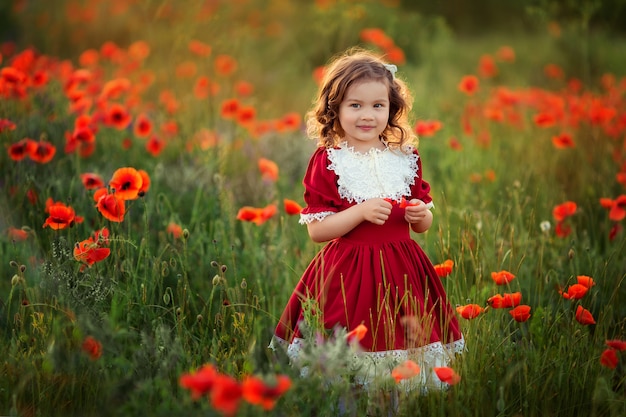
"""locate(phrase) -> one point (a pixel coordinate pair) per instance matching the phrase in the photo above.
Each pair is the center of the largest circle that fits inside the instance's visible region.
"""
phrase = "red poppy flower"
(618, 209)
(199, 48)
(145, 183)
(186, 69)
(376, 36)
(616, 344)
(244, 88)
(225, 64)
(506, 54)
(427, 127)
(609, 358)
(114, 89)
(226, 395)
(444, 269)
(174, 230)
(22, 149)
(564, 210)
(470, 311)
(554, 71)
(43, 152)
(155, 146)
(17, 235)
(469, 84)
(585, 280)
(117, 116)
(562, 230)
(357, 334)
(245, 115)
(89, 252)
(291, 207)
(91, 181)
(574, 292)
(60, 216)
(229, 109)
(111, 206)
(126, 183)
(506, 300)
(200, 382)
(143, 126)
(447, 375)
(562, 141)
(268, 168)
(487, 66)
(11, 75)
(584, 316)
(92, 347)
(6, 124)
(502, 277)
(257, 392)
(520, 313)
(247, 213)
(395, 55)
(406, 370)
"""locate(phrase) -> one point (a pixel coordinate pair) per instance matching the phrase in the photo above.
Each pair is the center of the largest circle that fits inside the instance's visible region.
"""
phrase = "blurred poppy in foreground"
(470, 311)
(447, 375)
(268, 169)
(258, 392)
(406, 370)
(291, 207)
(357, 334)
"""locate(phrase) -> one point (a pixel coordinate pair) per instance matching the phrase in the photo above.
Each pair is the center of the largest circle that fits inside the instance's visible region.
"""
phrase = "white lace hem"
(373, 367)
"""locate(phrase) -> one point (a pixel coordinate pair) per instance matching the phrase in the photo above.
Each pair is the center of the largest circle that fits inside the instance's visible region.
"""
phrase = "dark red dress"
(375, 275)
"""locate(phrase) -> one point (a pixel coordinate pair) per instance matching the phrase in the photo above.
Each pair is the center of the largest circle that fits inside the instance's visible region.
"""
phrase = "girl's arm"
(376, 210)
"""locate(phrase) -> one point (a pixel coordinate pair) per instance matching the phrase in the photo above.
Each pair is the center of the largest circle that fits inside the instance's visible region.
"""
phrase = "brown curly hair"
(353, 66)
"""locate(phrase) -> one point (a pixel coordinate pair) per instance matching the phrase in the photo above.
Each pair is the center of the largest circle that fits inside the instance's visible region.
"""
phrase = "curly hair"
(354, 66)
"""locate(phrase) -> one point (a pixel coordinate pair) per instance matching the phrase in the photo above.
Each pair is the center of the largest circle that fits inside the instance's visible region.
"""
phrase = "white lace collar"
(383, 173)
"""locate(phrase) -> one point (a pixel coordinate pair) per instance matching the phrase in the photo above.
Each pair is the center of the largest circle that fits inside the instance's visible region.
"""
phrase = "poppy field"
(150, 190)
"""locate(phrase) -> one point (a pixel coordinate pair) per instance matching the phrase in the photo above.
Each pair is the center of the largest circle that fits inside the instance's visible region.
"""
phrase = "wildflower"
(585, 281)
(126, 183)
(60, 216)
(427, 127)
(609, 358)
(574, 292)
(245, 115)
(506, 300)
(545, 226)
(268, 168)
(226, 395)
(544, 120)
(89, 252)
(244, 88)
(256, 391)
(92, 347)
(376, 36)
(502, 277)
(155, 145)
(199, 48)
(91, 181)
(618, 209)
(444, 269)
(616, 344)
(562, 141)
(520, 313)
(506, 54)
(291, 207)
(553, 71)
(43, 152)
(143, 126)
(469, 84)
(22, 149)
(110, 205)
(145, 183)
(470, 311)
(229, 108)
(225, 64)
(175, 230)
(6, 124)
(17, 235)
(200, 382)
(357, 334)
(117, 116)
(447, 375)
(289, 122)
(487, 66)
(584, 316)
(562, 230)
(564, 210)
(406, 370)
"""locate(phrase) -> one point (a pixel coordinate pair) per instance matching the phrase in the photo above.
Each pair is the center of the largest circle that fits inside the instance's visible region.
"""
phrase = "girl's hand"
(415, 211)
(376, 210)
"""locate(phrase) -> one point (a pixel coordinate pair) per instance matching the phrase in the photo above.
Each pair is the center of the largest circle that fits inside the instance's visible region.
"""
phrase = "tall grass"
(163, 303)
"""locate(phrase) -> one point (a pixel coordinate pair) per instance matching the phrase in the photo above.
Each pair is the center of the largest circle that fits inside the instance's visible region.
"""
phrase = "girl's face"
(364, 113)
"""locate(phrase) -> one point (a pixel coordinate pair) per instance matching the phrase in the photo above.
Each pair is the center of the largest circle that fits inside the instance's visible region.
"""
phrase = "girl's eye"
(355, 105)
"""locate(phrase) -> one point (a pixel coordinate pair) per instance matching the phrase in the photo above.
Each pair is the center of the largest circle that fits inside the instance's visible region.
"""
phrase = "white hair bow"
(392, 69)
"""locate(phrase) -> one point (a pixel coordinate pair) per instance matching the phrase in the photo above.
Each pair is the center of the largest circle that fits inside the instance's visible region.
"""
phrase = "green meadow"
(150, 178)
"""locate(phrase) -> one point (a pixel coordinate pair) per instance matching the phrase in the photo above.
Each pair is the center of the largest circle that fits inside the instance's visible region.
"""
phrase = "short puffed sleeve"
(321, 196)
(421, 189)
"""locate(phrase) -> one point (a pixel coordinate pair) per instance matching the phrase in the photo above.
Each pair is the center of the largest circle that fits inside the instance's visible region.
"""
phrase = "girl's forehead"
(370, 87)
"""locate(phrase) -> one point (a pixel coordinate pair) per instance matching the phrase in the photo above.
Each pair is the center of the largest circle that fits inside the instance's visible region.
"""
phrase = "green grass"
(163, 306)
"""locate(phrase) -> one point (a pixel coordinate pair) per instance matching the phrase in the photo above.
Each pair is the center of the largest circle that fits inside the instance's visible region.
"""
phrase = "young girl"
(364, 193)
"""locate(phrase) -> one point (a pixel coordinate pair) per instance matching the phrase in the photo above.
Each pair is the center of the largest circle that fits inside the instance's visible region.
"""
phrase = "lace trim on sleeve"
(310, 217)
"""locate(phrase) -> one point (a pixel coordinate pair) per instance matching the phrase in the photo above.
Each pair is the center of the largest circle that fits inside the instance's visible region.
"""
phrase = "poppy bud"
(224, 268)
(214, 264)
(571, 253)
(15, 280)
(22, 268)
(216, 280)
(244, 284)
(185, 234)
(199, 318)
(13, 264)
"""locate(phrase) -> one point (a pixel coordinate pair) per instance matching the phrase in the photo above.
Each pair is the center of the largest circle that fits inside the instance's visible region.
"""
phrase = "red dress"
(375, 275)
